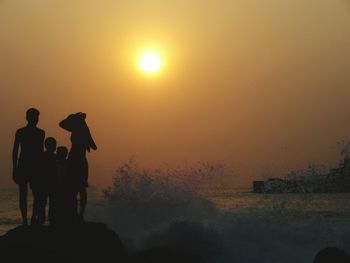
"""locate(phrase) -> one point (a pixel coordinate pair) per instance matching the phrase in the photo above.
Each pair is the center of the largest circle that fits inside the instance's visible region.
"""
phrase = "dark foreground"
(95, 242)
(87, 242)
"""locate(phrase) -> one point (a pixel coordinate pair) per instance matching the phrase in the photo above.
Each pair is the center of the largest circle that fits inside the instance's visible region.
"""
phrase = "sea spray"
(140, 200)
(149, 208)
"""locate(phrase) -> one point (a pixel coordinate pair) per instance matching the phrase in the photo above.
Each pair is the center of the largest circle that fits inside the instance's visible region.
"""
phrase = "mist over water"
(140, 200)
(153, 208)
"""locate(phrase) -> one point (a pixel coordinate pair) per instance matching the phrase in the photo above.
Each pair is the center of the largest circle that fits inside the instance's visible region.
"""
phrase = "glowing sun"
(150, 62)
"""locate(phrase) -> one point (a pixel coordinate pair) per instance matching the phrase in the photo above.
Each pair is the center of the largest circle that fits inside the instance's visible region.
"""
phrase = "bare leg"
(36, 205)
(83, 201)
(42, 207)
(23, 193)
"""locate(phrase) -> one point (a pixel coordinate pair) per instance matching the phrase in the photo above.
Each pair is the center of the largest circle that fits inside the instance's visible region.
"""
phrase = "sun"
(150, 62)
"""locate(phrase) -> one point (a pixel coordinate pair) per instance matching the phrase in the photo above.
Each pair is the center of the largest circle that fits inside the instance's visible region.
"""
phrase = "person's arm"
(42, 141)
(92, 143)
(15, 155)
(67, 123)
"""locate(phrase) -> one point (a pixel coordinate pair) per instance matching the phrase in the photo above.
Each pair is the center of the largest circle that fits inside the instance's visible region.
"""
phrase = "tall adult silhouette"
(27, 166)
(77, 163)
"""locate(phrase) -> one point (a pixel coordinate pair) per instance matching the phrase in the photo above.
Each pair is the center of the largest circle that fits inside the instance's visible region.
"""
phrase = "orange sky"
(262, 86)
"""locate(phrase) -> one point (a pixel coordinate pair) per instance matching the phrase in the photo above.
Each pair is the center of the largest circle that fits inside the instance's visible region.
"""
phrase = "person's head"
(81, 115)
(32, 116)
(50, 144)
(79, 120)
(330, 255)
(61, 153)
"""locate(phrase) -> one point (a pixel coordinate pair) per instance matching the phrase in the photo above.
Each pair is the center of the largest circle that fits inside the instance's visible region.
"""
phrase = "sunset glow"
(259, 86)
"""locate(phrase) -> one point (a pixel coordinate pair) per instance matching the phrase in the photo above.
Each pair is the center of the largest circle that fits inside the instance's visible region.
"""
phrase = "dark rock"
(181, 241)
(86, 242)
(332, 255)
(188, 241)
(170, 255)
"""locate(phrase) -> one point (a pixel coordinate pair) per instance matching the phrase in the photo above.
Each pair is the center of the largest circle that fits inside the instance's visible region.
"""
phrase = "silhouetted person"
(48, 178)
(77, 163)
(27, 167)
(332, 255)
(58, 185)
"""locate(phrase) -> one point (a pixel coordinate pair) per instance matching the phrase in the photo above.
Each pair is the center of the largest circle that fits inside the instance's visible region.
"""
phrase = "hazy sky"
(262, 86)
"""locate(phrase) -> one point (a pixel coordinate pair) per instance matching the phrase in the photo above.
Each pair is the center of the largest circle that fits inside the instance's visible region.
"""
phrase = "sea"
(233, 225)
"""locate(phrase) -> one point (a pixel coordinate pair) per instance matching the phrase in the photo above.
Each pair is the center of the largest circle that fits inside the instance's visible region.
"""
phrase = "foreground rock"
(332, 255)
(88, 242)
(95, 242)
(170, 255)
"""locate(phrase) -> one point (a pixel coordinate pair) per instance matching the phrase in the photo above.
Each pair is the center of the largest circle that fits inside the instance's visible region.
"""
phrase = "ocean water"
(232, 225)
(9, 213)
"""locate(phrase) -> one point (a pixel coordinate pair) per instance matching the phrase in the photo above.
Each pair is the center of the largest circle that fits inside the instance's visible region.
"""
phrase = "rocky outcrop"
(332, 255)
(86, 242)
